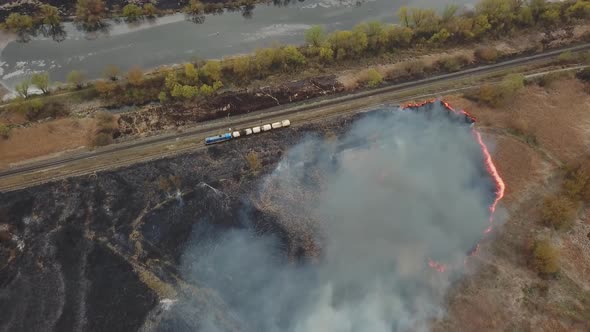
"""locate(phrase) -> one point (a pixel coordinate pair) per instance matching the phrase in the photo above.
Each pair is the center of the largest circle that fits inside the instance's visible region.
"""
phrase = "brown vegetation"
(254, 163)
(502, 292)
(43, 139)
(545, 257)
(102, 133)
(486, 54)
(4, 130)
(558, 212)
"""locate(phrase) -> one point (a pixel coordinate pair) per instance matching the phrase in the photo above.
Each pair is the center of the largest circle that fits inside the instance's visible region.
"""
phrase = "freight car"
(247, 132)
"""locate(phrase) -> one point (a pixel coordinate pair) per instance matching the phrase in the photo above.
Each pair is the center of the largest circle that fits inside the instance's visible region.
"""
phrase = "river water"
(173, 39)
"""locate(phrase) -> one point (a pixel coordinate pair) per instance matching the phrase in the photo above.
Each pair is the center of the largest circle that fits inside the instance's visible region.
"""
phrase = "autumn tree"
(315, 36)
(184, 91)
(499, 13)
(403, 15)
(22, 88)
(194, 7)
(550, 17)
(105, 88)
(399, 37)
(111, 72)
(132, 12)
(537, 7)
(440, 37)
(374, 78)
(206, 90)
(149, 10)
(326, 54)
(545, 257)
(135, 76)
(191, 73)
(50, 15)
(41, 81)
(510, 86)
(293, 59)
(579, 10)
(76, 79)
(212, 70)
(171, 80)
(240, 67)
(425, 22)
(348, 44)
(18, 23)
(377, 35)
(481, 26)
(90, 13)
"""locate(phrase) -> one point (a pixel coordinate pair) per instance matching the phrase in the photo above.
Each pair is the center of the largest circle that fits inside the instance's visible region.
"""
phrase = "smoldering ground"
(375, 205)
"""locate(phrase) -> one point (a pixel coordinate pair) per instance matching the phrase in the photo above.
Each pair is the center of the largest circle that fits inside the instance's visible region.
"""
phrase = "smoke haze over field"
(418, 190)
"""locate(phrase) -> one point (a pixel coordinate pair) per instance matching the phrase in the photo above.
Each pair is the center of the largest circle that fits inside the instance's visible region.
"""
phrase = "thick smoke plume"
(400, 189)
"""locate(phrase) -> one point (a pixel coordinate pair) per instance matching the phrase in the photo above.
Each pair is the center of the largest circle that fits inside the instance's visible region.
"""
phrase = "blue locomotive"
(218, 138)
(246, 132)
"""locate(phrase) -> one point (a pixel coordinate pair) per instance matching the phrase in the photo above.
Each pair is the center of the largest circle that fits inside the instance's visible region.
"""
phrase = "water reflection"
(55, 32)
(101, 28)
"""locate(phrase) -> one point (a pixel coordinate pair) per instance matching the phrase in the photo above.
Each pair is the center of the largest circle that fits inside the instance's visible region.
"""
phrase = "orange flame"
(490, 167)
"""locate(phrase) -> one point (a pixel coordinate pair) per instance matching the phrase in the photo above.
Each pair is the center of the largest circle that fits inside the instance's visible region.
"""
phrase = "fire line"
(490, 168)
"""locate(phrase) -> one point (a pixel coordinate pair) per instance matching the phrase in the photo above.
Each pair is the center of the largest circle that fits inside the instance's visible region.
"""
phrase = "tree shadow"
(248, 11)
(197, 19)
(93, 31)
(56, 32)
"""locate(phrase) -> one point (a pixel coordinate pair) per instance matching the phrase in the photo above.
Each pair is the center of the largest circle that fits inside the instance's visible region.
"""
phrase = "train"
(246, 132)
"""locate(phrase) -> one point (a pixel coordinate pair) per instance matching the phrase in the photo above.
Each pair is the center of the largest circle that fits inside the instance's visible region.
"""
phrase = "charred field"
(202, 241)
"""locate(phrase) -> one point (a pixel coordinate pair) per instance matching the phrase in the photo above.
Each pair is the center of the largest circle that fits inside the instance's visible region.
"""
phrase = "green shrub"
(374, 78)
(76, 78)
(566, 57)
(132, 12)
(4, 130)
(149, 10)
(547, 80)
(37, 109)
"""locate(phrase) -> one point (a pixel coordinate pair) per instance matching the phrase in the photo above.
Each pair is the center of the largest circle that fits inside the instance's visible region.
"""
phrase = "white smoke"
(417, 190)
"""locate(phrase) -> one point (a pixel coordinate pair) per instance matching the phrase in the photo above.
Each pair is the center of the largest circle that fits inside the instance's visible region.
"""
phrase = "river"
(172, 39)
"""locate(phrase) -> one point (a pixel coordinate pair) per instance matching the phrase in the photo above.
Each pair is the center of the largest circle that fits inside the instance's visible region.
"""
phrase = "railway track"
(257, 117)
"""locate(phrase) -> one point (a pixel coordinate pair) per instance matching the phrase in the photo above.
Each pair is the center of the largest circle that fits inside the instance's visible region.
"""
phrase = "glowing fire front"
(490, 167)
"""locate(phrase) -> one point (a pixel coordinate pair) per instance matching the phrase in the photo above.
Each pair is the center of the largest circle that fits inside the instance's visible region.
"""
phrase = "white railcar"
(266, 127)
(256, 130)
(248, 131)
(276, 125)
(236, 134)
(286, 123)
